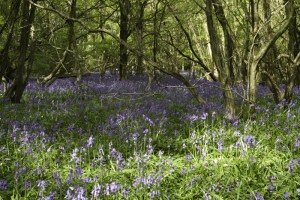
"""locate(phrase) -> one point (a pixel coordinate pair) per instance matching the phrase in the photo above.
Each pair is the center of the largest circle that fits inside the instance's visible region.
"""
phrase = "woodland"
(149, 99)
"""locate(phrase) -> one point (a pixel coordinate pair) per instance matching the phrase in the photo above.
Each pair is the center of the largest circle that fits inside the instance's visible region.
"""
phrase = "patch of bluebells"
(250, 140)
(3, 185)
(134, 122)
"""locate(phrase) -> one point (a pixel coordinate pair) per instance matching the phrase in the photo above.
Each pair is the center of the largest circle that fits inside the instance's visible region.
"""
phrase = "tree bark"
(139, 34)
(219, 61)
(257, 53)
(5, 62)
(124, 34)
(19, 84)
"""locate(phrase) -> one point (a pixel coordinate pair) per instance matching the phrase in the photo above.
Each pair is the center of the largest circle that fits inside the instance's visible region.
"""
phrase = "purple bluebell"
(258, 196)
(90, 141)
(96, 190)
(286, 195)
(3, 184)
(250, 140)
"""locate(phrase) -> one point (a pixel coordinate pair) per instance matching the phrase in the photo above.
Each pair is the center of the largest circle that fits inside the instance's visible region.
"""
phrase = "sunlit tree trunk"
(258, 50)
(219, 60)
(294, 49)
(228, 42)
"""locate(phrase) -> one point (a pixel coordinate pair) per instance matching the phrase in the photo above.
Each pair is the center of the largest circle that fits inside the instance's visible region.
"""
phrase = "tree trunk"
(5, 62)
(228, 42)
(139, 35)
(219, 61)
(294, 49)
(73, 55)
(257, 53)
(124, 34)
(19, 84)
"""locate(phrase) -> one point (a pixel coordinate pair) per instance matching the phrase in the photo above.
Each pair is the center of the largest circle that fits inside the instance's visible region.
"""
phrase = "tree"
(125, 6)
(23, 70)
(223, 64)
(6, 68)
(292, 57)
(259, 49)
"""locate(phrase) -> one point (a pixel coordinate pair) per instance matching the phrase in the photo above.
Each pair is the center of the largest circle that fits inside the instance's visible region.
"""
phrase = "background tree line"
(243, 42)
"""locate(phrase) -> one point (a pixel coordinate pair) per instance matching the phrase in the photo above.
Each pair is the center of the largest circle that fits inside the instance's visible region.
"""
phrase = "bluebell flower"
(220, 145)
(189, 157)
(258, 196)
(42, 185)
(3, 184)
(286, 195)
(27, 185)
(51, 196)
(57, 178)
(96, 191)
(114, 188)
(270, 188)
(80, 191)
(250, 140)
(90, 141)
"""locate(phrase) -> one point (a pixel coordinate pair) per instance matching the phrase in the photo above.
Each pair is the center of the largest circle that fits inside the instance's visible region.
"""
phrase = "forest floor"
(111, 139)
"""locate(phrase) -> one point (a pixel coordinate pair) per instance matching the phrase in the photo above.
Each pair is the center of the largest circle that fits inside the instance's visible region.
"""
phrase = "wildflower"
(114, 187)
(27, 185)
(90, 141)
(69, 193)
(286, 195)
(86, 180)
(292, 165)
(236, 134)
(49, 197)
(126, 193)
(220, 145)
(250, 140)
(298, 190)
(203, 116)
(57, 178)
(154, 193)
(270, 188)
(113, 153)
(207, 196)
(189, 158)
(70, 178)
(79, 193)
(96, 191)
(258, 196)
(297, 143)
(3, 184)
(42, 185)
(106, 191)
(78, 171)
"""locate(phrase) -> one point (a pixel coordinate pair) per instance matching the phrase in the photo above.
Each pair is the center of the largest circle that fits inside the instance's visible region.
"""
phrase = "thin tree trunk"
(219, 62)
(124, 34)
(5, 63)
(257, 53)
(140, 32)
(19, 84)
